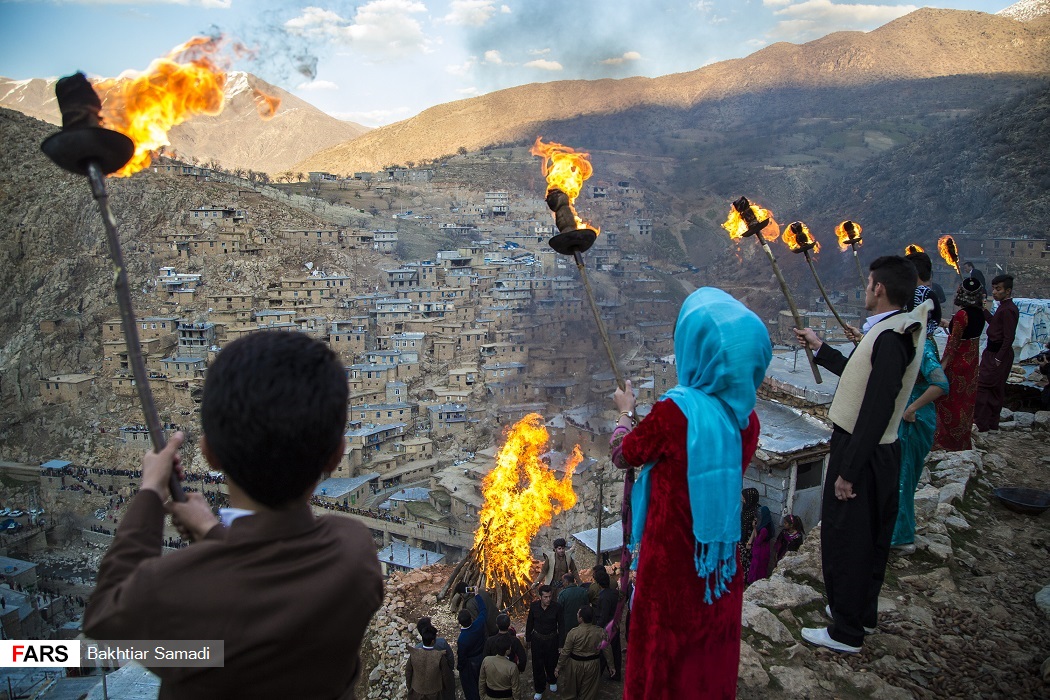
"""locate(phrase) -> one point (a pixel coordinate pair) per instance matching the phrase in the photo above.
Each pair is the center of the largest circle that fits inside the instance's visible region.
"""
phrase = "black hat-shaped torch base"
(73, 149)
(569, 242)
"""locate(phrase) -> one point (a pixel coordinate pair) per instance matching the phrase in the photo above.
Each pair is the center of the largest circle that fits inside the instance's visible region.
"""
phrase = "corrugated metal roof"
(612, 538)
(400, 554)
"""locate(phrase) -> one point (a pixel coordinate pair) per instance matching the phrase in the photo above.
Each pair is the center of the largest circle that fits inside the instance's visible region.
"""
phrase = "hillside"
(925, 44)
(55, 267)
(237, 138)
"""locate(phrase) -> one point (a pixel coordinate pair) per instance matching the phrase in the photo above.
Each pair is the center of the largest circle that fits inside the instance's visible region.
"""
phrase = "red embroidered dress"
(680, 648)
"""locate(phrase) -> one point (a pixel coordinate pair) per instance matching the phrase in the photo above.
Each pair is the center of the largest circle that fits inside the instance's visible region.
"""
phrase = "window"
(809, 474)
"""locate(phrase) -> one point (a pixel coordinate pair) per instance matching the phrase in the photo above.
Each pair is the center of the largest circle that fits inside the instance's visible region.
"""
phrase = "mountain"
(236, 138)
(1026, 10)
(925, 44)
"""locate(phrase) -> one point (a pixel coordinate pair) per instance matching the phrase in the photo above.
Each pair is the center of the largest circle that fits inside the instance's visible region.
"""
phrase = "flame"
(185, 83)
(522, 494)
(913, 248)
(565, 169)
(737, 227)
(797, 235)
(842, 231)
(949, 251)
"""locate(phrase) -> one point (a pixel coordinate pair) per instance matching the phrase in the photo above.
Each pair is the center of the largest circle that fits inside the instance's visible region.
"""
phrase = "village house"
(210, 214)
(366, 443)
(329, 236)
(449, 419)
(65, 388)
(195, 338)
(350, 491)
(384, 241)
(401, 556)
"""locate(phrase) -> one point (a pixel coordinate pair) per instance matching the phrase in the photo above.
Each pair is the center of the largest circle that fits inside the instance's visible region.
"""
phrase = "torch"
(912, 249)
(950, 252)
(744, 221)
(85, 148)
(566, 170)
(848, 233)
(799, 240)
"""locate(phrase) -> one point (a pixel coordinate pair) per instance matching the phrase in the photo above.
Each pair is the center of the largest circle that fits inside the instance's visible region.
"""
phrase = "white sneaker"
(820, 637)
(554, 687)
(537, 696)
(827, 611)
(903, 549)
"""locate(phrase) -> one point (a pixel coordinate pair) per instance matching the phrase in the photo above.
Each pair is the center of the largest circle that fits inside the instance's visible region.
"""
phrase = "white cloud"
(628, 57)
(504, 9)
(814, 18)
(539, 52)
(471, 13)
(468, 91)
(384, 27)
(462, 68)
(493, 56)
(544, 64)
(317, 85)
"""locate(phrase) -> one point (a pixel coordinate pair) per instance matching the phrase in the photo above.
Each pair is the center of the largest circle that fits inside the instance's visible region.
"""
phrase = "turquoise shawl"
(722, 350)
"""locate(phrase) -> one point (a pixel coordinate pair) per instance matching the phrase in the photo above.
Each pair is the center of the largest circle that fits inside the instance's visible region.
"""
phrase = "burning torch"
(912, 249)
(950, 252)
(85, 148)
(848, 233)
(799, 240)
(746, 219)
(566, 170)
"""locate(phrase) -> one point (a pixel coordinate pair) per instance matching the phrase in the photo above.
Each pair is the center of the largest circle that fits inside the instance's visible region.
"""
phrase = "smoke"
(266, 49)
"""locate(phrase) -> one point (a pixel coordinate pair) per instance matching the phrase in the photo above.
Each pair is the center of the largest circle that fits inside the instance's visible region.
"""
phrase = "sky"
(375, 62)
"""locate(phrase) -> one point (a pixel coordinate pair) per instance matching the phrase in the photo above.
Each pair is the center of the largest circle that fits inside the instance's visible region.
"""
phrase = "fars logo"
(40, 652)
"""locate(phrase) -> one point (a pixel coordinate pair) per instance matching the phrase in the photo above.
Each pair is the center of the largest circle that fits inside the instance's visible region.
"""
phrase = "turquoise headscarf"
(721, 350)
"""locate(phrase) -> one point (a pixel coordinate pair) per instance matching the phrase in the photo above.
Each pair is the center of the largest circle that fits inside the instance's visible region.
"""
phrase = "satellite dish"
(309, 266)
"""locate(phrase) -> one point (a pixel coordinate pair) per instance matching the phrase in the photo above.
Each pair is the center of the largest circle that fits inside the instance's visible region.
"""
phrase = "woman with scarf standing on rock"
(790, 539)
(960, 361)
(761, 541)
(916, 431)
(684, 522)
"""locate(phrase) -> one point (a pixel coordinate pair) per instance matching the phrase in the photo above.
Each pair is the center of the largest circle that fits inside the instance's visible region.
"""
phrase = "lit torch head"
(798, 238)
(186, 82)
(949, 252)
(912, 249)
(521, 494)
(848, 233)
(746, 219)
(565, 170)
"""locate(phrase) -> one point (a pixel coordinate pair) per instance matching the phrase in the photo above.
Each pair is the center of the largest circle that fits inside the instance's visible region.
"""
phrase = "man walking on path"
(970, 271)
(998, 356)
(542, 632)
(859, 505)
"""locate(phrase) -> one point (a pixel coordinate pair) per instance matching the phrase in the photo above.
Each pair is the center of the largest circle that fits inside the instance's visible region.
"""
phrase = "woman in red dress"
(685, 505)
(960, 362)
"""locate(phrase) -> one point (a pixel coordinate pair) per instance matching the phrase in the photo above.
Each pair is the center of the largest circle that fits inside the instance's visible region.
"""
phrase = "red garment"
(680, 648)
(955, 411)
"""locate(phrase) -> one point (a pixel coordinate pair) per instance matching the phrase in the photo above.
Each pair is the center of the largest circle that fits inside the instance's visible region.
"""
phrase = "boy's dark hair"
(465, 618)
(1006, 280)
(601, 577)
(898, 276)
(460, 588)
(274, 413)
(923, 265)
(587, 614)
(429, 635)
(967, 264)
(546, 589)
(503, 622)
(568, 579)
(501, 645)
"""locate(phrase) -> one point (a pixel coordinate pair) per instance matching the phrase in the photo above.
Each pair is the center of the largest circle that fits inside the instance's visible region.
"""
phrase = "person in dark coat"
(471, 648)
(998, 357)
(542, 632)
(572, 598)
(469, 603)
(607, 600)
(970, 271)
(428, 672)
(517, 649)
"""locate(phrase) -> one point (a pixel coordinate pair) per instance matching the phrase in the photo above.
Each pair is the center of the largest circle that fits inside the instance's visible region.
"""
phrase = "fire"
(565, 169)
(848, 233)
(913, 248)
(185, 83)
(798, 238)
(737, 227)
(521, 494)
(949, 251)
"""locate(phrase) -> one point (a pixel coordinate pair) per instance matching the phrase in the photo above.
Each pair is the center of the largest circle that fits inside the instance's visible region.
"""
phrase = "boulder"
(797, 682)
(926, 500)
(1042, 599)
(952, 492)
(1041, 420)
(765, 623)
(779, 593)
(750, 673)
(1024, 420)
(1006, 414)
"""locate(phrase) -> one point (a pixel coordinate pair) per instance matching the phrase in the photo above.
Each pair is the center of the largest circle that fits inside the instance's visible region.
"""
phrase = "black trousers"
(544, 661)
(855, 538)
(616, 647)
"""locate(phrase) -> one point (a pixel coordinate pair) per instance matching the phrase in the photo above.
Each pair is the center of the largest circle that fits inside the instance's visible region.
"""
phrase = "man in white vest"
(859, 506)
